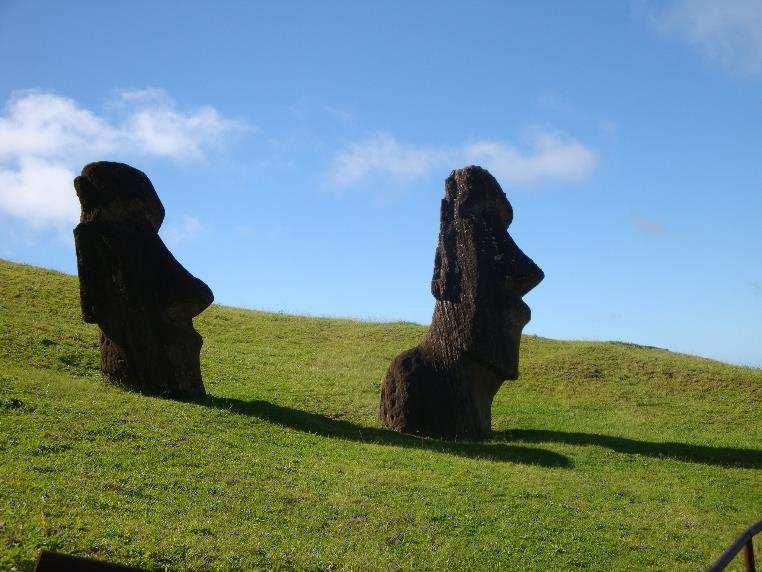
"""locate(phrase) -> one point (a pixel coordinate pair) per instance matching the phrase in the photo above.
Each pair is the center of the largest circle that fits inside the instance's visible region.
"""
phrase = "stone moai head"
(118, 194)
(444, 386)
(480, 274)
(141, 297)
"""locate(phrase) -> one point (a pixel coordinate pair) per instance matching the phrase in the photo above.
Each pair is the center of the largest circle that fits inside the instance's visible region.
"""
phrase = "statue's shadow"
(342, 429)
(495, 449)
(702, 454)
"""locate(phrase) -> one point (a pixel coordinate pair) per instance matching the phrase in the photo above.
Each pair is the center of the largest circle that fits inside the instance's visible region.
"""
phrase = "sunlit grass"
(605, 456)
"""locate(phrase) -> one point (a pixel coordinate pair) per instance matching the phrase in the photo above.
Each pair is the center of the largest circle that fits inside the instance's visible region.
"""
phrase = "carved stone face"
(480, 273)
(118, 193)
(142, 298)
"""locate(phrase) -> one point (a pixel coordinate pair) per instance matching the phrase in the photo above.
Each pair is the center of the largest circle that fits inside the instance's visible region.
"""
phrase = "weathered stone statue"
(444, 387)
(130, 284)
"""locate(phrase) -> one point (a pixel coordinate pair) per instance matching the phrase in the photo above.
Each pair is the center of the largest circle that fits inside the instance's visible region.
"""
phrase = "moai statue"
(142, 299)
(444, 387)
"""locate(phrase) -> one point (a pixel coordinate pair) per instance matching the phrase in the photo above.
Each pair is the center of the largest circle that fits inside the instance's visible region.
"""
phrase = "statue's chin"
(507, 371)
(504, 368)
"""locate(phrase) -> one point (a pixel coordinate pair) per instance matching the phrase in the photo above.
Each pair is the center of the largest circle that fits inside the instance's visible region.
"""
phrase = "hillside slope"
(605, 456)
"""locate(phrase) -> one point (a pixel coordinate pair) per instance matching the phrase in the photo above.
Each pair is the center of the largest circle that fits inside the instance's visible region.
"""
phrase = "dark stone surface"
(130, 284)
(444, 387)
(49, 561)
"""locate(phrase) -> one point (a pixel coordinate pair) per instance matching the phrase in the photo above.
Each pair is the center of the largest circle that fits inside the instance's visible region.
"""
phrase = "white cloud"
(550, 157)
(183, 230)
(46, 138)
(156, 126)
(39, 192)
(547, 157)
(726, 31)
(382, 154)
(46, 125)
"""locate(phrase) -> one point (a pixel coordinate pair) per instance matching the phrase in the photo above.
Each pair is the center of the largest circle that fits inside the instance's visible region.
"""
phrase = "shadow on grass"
(348, 431)
(720, 456)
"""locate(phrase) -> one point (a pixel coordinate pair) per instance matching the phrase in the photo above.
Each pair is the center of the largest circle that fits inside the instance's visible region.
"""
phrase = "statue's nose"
(523, 274)
(87, 193)
(529, 279)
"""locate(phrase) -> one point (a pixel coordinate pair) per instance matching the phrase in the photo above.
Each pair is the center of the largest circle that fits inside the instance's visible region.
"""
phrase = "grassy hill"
(605, 456)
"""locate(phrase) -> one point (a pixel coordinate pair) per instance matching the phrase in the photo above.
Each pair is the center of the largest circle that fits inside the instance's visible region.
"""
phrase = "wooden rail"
(743, 542)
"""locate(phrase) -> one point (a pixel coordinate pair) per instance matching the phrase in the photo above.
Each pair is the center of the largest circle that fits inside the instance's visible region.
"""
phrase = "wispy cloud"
(340, 113)
(726, 31)
(549, 156)
(546, 157)
(245, 230)
(382, 154)
(182, 231)
(156, 126)
(648, 226)
(45, 138)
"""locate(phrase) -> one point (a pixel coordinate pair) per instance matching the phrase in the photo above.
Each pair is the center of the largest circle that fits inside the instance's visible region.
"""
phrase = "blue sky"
(300, 149)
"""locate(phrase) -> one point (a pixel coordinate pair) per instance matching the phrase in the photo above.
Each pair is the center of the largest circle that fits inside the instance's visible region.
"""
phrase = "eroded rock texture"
(444, 387)
(142, 299)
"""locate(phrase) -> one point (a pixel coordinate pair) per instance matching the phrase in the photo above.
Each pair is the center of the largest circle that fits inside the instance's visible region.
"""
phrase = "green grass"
(606, 456)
